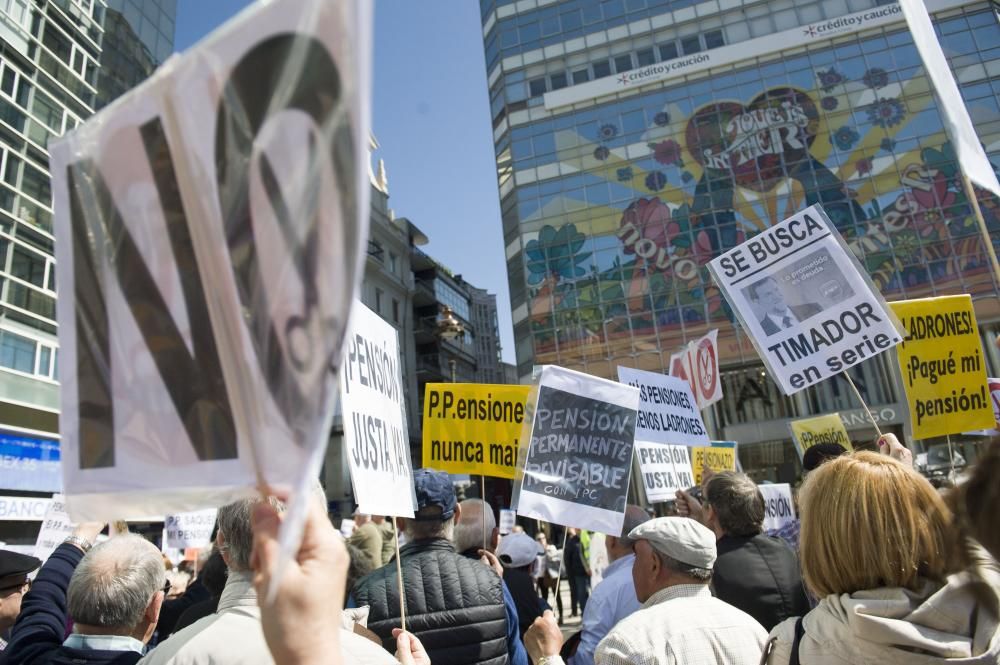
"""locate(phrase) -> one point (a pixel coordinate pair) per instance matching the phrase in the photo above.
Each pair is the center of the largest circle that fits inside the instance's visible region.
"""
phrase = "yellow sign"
(473, 427)
(941, 360)
(720, 457)
(823, 429)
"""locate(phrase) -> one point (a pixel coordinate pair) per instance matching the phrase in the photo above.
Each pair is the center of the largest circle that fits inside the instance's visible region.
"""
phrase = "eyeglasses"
(20, 586)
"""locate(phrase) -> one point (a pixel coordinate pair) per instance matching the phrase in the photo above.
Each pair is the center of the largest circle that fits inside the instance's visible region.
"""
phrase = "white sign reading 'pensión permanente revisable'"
(212, 224)
(579, 455)
(807, 303)
(668, 412)
(376, 442)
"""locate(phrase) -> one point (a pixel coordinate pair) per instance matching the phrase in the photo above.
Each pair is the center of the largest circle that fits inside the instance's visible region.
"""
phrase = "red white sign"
(698, 363)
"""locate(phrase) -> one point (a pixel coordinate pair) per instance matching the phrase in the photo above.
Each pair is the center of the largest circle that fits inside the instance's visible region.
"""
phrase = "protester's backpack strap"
(800, 631)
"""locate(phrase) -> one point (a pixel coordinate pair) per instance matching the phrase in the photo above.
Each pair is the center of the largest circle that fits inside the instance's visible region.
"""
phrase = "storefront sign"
(29, 464)
(23, 508)
(691, 64)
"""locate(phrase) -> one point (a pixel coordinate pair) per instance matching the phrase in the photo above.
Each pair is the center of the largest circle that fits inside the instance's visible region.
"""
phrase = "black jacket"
(453, 604)
(760, 575)
(575, 564)
(37, 637)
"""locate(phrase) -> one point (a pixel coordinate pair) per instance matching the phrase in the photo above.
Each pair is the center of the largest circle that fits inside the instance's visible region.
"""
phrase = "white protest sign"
(507, 518)
(212, 227)
(664, 470)
(579, 454)
(374, 411)
(698, 364)
(56, 527)
(668, 412)
(809, 306)
(779, 509)
(957, 123)
(190, 529)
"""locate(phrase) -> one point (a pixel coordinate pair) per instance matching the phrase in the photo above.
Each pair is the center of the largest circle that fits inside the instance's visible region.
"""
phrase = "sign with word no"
(212, 225)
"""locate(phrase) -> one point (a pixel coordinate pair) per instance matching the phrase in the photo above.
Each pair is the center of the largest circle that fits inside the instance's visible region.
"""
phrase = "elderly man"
(233, 634)
(756, 573)
(680, 621)
(455, 605)
(614, 598)
(113, 592)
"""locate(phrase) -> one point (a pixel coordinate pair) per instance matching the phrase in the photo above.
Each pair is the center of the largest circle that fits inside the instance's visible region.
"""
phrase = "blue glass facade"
(612, 206)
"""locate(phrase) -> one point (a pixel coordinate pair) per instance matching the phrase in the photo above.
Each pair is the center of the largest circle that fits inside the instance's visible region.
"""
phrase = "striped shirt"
(684, 624)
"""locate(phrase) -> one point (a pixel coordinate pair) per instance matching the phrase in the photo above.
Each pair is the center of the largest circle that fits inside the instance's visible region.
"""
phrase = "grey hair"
(115, 582)
(703, 575)
(425, 529)
(737, 503)
(469, 530)
(236, 530)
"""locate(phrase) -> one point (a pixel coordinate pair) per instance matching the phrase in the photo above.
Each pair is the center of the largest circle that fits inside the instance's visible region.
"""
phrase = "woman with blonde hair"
(877, 544)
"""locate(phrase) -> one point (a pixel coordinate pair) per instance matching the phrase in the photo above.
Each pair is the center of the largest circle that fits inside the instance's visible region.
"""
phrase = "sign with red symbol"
(698, 364)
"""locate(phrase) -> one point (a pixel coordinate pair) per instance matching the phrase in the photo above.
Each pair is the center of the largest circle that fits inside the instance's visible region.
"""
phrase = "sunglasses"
(17, 587)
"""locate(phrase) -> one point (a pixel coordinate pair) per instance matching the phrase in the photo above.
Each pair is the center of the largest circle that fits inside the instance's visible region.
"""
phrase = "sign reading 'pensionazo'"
(807, 303)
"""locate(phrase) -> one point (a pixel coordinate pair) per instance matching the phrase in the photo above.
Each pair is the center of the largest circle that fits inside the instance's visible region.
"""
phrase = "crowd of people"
(880, 568)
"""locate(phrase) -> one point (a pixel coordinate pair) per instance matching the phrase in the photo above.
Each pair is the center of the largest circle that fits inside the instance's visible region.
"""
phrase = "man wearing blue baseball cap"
(454, 605)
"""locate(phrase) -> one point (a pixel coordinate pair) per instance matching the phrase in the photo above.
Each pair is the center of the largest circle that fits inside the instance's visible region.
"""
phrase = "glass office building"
(60, 60)
(637, 139)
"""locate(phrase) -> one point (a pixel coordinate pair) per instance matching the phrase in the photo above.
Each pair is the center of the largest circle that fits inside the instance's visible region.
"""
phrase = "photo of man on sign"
(814, 280)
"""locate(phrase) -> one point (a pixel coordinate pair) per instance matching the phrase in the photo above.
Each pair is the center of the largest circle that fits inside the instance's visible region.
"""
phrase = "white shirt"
(684, 624)
(611, 601)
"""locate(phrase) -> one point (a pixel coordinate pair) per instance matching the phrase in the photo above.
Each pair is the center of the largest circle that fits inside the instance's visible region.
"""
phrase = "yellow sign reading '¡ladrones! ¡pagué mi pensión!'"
(944, 371)
(473, 428)
(809, 432)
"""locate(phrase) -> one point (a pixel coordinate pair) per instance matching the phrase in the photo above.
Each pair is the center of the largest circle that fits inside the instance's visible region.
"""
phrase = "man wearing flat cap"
(14, 583)
(455, 605)
(680, 621)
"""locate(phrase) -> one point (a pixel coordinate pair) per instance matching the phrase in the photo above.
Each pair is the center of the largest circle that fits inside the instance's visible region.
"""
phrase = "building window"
(536, 87)
(623, 63)
(581, 76)
(393, 261)
(714, 39)
(378, 301)
(395, 311)
(602, 69)
(558, 81)
(44, 360)
(17, 352)
(690, 44)
(645, 57)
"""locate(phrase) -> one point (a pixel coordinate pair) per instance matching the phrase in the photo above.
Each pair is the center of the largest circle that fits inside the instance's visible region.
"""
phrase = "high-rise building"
(638, 139)
(486, 328)
(60, 60)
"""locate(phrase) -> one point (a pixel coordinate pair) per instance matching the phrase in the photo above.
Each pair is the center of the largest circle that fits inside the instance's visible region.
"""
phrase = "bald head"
(622, 545)
(115, 586)
(469, 530)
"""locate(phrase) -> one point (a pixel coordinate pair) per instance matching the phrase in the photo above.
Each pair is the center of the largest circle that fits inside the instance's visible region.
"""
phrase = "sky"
(430, 114)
